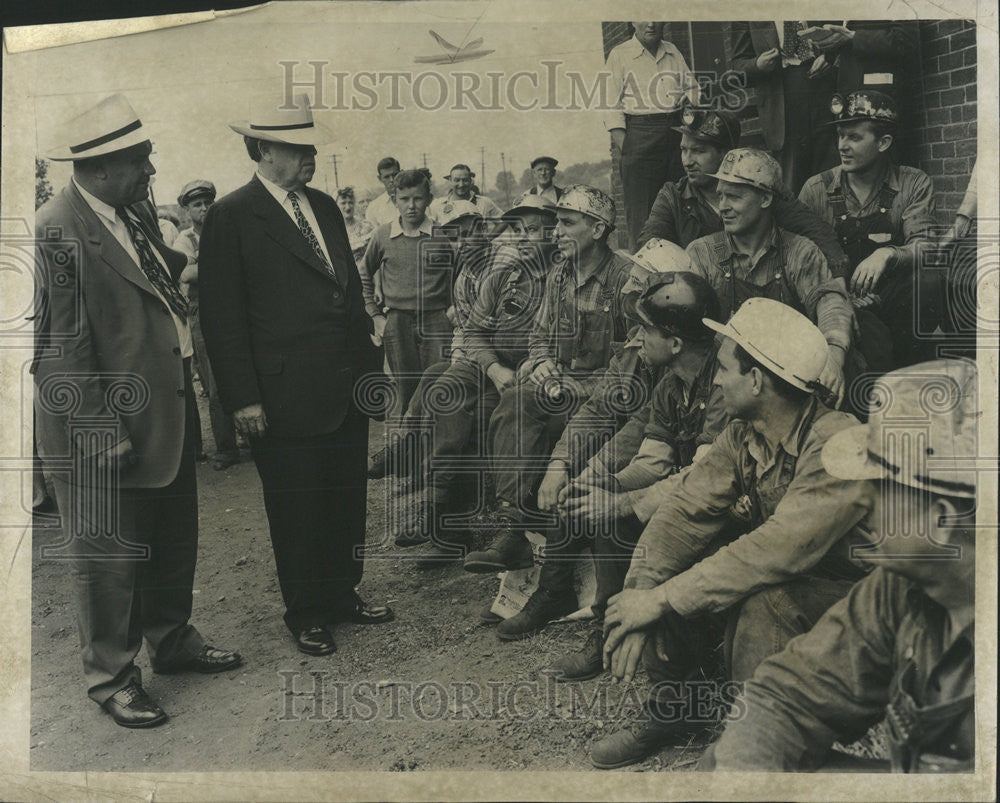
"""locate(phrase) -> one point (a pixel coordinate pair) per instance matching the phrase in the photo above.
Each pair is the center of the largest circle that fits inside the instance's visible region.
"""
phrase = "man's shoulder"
(238, 197)
(912, 177)
(706, 247)
(799, 246)
(57, 210)
(621, 49)
(826, 424)
(818, 183)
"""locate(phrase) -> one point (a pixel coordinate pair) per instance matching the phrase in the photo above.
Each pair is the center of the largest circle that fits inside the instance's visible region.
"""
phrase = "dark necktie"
(794, 47)
(310, 235)
(151, 267)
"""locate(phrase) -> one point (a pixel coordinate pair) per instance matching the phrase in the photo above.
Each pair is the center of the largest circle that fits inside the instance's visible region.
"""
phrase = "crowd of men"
(687, 415)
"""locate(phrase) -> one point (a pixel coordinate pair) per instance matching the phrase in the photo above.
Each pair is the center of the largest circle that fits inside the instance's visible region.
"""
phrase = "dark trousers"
(810, 147)
(314, 493)
(757, 628)
(460, 403)
(135, 581)
(413, 342)
(223, 429)
(611, 545)
(651, 157)
(522, 429)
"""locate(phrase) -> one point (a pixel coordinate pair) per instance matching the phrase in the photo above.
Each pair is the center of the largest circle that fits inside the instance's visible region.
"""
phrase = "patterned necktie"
(794, 46)
(309, 234)
(151, 267)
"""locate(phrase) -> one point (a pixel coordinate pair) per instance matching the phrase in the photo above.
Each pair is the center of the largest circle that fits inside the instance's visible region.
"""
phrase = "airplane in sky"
(452, 53)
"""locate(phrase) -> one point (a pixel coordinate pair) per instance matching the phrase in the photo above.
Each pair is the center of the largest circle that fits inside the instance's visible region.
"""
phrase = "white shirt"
(381, 210)
(647, 84)
(119, 231)
(281, 196)
(426, 227)
(440, 208)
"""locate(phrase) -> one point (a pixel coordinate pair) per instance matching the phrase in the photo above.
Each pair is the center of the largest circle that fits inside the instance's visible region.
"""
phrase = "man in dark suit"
(288, 338)
(794, 81)
(115, 414)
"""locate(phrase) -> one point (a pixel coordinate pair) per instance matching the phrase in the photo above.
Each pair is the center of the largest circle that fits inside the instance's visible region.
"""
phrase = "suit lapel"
(109, 248)
(280, 228)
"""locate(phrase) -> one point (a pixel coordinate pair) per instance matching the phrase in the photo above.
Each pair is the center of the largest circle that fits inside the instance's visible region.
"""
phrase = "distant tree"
(527, 180)
(506, 185)
(43, 187)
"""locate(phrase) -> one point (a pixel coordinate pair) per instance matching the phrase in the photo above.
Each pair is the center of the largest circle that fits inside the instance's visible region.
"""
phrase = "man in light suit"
(288, 338)
(115, 414)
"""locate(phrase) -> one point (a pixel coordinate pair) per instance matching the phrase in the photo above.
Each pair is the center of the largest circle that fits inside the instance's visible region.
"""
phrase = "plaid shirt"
(578, 323)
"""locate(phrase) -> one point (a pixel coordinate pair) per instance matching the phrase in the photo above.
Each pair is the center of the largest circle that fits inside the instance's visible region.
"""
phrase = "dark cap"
(721, 128)
(865, 104)
(544, 160)
(676, 305)
(194, 189)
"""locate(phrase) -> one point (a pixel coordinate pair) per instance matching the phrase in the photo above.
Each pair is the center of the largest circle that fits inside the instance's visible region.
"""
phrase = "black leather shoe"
(365, 614)
(131, 707)
(209, 661)
(316, 641)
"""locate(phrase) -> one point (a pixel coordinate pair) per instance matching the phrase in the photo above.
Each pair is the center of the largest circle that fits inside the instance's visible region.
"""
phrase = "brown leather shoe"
(581, 665)
(131, 707)
(209, 661)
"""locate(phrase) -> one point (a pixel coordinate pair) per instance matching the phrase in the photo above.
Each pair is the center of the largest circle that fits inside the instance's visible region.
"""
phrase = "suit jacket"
(749, 40)
(280, 330)
(106, 343)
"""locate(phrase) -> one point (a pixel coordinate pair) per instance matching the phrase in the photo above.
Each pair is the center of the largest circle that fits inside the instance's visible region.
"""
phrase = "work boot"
(583, 664)
(444, 548)
(418, 530)
(224, 460)
(632, 745)
(540, 609)
(487, 617)
(510, 550)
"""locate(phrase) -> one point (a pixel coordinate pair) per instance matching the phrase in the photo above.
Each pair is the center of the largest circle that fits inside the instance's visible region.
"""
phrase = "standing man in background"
(383, 208)
(196, 197)
(651, 81)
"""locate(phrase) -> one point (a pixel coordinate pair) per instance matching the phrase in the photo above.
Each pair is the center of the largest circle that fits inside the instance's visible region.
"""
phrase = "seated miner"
(679, 347)
(754, 257)
(754, 539)
(883, 213)
(687, 209)
(899, 647)
(579, 325)
(459, 242)
(459, 403)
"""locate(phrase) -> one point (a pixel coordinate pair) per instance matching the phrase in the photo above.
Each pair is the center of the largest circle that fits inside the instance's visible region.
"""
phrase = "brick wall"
(946, 135)
(944, 112)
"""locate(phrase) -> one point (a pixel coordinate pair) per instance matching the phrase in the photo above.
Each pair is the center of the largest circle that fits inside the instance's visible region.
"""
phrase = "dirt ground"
(433, 690)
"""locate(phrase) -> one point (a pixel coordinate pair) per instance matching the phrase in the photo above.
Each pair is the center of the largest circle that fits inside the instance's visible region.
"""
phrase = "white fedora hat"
(112, 125)
(280, 120)
(779, 338)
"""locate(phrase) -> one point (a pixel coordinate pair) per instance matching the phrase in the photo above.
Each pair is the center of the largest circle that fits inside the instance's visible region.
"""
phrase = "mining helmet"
(456, 210)
(531, 204)
(865, 104)
(921, 431)
(721, 128)
(678, 304)
(590, 201)
(780, 338)
(661, 256)
(753, 167)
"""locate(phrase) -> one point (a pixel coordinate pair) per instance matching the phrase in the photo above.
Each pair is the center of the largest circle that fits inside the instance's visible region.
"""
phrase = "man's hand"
(250, 421)
(121, 454)
(832, 376)
(501, 376)
(820, 67)
(840, 35)
(555, 479)
(623, 659)
(870, 270)
(451, 315)
(379, 321)
(546, 369)
(769, 60)
(456, 355)
(863, 302)
(618, 137)
(598, 506)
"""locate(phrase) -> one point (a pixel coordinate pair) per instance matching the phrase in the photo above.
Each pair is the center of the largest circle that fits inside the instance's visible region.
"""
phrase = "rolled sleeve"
(816, 511)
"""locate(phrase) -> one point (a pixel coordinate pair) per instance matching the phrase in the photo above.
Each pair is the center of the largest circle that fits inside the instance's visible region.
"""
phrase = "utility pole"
(482, 165)
(336, 176)
(506, 179)
(425, 161)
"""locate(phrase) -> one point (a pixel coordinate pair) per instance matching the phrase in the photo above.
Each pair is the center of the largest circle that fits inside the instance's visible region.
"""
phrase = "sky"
(187, 83)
